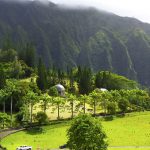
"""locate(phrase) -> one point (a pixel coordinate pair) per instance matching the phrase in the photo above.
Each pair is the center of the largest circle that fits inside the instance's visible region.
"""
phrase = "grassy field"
(132, 130)
(51, 137)
(65, 111)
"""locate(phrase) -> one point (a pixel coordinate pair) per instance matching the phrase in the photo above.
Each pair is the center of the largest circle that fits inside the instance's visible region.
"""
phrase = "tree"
(8, 55)
(71, 77)
(42, 76)
(85, 80)
(106, 98)
(41, 117)
(123, 105)
(111, 81)
(98, 80)
(23, 115)
(86, 133)
(59, 103)
(52, 77)
(2, 95)
(46, 99)
(139, 98)
(71, 98)
(101, 79)
(96, 97)
(19, 117)
(53, 91)
(17, 69)
(56, 100)
(83, 100)
(2, 78)
(31, 98)
(111, 108)
(11, 88)
(4, 119)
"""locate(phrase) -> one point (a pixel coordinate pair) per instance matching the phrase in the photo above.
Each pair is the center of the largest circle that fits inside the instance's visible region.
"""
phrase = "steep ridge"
(67, 37)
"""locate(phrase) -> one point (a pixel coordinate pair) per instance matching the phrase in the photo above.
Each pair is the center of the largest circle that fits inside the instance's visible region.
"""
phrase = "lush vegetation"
(133, 129)
(29, 74)
(83, 91)
(86, 133)
(68, 38)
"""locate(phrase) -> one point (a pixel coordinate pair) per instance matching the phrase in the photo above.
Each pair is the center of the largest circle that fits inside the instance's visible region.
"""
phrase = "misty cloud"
(131, 8)
(26, 1)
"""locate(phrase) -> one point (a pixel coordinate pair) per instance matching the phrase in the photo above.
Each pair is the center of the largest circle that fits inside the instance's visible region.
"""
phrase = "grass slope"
(134, 129)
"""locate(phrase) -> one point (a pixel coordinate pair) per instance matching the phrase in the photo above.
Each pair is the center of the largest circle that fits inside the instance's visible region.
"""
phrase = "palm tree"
(11, 88)
(3, 96)
(45, 100)
(84, 100)
(96, 96)
(71, 98)
(31, 98)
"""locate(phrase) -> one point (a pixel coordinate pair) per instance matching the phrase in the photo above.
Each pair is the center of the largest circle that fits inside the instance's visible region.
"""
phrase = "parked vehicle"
(24, 148)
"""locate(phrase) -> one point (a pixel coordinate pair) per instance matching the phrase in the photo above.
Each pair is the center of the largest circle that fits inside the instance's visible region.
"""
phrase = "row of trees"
(17, 67)
(81, 80)
(20, 96)
(22, 99)
(83, 87)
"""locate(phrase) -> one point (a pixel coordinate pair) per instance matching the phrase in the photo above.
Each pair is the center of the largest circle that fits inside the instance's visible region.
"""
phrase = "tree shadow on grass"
(122, 115)
(109, 118)
(35, 130)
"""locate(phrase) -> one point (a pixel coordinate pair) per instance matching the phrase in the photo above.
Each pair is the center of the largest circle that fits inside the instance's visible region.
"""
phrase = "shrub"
(86, 133)
(41, 117)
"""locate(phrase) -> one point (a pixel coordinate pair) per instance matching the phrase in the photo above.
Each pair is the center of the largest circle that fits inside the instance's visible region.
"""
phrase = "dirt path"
(7, 132)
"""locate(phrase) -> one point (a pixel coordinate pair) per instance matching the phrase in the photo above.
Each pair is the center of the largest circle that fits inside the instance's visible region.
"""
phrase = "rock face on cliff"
(66, 37)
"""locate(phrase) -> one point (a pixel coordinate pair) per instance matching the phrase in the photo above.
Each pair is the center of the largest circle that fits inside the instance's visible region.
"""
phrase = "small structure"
(103, 89)
(24, 148)
(61, 90)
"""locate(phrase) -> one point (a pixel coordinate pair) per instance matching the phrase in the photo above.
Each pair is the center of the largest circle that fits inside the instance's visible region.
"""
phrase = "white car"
(24, 148)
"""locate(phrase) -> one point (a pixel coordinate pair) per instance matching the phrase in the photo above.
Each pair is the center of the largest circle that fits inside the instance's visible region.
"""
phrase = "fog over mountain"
(137, 9)
(131, 8)
(71, 37)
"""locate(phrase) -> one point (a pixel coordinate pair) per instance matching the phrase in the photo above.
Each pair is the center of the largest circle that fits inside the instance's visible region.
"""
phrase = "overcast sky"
(133, 8)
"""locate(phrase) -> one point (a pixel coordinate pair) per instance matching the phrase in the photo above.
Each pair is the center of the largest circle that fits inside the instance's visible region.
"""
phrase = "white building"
(61, 90)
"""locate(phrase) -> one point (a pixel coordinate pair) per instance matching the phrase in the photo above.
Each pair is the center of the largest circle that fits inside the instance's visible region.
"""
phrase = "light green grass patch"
(132, 130)
(51, 137)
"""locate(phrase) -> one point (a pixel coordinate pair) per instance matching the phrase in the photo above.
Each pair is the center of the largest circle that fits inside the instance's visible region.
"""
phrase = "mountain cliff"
(66, 37)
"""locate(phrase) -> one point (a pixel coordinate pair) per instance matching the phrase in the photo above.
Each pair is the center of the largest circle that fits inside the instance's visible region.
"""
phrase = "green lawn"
(132, 130)
(51, 137)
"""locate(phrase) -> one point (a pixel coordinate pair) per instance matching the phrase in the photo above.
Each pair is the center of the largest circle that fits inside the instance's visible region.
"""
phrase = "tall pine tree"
(42, 76)
(2, 79)
(85, 80)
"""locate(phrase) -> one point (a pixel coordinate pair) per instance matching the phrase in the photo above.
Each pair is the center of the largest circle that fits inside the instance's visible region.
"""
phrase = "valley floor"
(130, 132)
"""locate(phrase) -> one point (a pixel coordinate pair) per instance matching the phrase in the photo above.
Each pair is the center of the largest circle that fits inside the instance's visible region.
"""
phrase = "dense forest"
(100, 59)
(24, 85)
(67, 38)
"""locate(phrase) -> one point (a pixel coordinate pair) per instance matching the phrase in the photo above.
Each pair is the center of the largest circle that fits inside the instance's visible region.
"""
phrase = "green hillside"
(132, 130)
(66, 37)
